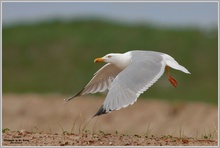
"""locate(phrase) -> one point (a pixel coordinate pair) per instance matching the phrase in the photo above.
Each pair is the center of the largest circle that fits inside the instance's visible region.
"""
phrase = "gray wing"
(100, 82)
(143, 72)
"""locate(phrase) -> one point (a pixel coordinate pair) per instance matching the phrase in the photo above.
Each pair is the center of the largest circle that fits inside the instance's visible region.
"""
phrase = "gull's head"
(119, 60)
(109, 58)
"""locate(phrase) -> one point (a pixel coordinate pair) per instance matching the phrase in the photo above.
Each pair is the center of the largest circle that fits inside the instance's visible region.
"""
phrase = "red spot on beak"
(99, 60)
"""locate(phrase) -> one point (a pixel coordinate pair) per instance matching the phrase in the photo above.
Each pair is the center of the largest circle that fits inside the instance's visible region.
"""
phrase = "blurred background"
(49, 47)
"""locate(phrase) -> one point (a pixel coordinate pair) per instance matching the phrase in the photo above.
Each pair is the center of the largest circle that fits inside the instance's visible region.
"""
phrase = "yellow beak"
(99, 60)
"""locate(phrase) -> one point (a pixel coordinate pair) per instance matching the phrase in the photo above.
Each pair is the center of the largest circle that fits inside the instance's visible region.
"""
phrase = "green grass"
(57, 57)
(4, 130)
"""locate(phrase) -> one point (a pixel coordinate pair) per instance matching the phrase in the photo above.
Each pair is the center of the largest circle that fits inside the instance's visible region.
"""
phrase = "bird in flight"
(128, 75)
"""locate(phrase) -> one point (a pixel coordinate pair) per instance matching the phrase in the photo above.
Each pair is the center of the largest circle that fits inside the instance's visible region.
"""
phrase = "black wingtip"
(70, 98)
(101, 111)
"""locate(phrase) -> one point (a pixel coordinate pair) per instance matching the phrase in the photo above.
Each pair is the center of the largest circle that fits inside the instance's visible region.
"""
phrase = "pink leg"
(170, 78)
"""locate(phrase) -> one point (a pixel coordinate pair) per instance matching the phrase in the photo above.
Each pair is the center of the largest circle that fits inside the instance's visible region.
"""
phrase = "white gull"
(128, 75)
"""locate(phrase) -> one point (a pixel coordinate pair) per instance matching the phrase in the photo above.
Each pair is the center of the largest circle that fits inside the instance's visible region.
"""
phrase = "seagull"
(126, 76)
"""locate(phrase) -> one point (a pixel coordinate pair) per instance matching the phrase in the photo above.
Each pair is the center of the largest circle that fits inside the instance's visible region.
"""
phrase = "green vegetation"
(57, 57)
(4, 130)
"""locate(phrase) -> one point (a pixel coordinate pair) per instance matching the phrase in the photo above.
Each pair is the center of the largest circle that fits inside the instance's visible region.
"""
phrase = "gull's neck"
(122, 60)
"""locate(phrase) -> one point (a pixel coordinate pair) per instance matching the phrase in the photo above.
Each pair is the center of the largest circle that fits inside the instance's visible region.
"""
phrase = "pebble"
(23, 130)
(127, 143)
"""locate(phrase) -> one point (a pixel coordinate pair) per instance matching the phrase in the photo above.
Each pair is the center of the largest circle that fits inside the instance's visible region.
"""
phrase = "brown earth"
(101, 139)
(46, 120)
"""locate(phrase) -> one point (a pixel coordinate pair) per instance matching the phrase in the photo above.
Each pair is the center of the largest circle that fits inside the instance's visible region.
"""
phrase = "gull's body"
(128, 75)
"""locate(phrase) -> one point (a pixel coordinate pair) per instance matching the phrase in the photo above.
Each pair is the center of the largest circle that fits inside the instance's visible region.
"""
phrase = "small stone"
(23, 130)
(127, 143)
(185, 141)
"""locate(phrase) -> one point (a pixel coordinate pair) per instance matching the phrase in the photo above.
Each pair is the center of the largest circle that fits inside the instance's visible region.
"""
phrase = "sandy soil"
(101, 139)
(45, 120)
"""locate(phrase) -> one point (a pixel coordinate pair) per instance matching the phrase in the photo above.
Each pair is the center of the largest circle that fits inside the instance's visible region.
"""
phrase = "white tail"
(171, 62)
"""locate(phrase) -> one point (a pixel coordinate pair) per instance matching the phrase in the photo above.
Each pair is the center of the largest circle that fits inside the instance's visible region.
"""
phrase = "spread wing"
(142, 73)
(100, 82)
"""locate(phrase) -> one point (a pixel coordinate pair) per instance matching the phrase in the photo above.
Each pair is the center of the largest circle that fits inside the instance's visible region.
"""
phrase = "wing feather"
(100, 81)
(143, 72)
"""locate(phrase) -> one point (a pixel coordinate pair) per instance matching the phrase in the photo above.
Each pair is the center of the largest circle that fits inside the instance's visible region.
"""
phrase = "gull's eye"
(109, 56)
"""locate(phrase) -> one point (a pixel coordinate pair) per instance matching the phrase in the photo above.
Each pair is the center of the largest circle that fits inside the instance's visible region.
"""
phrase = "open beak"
(99, 60)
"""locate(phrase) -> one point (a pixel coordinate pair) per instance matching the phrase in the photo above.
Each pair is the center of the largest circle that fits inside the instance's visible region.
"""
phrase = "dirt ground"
(46, 120)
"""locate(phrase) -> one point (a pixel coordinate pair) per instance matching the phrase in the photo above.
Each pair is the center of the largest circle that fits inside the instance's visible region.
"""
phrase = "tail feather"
(171, 62)
(183, 69)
